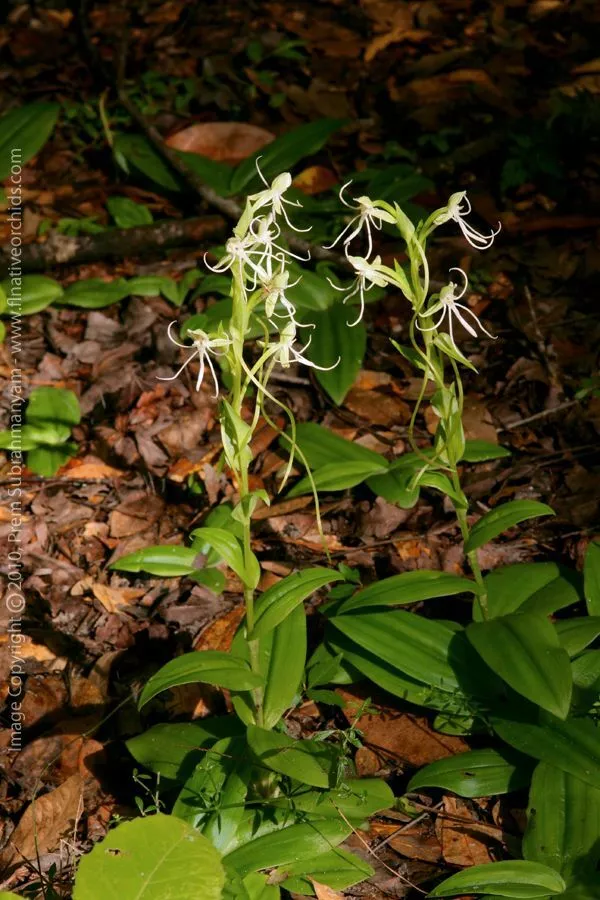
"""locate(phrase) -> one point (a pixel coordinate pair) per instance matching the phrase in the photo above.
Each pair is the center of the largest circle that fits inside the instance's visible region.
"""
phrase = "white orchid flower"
(449, 308)
(457, 213)
(244, 252)
(368, 216)
(285, 353)
(273, 197)
(202, 346)
(275, 298)
(265, 232)
(368, 275)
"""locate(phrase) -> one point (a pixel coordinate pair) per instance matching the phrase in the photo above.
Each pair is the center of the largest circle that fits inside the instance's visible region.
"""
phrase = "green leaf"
(127, 213)
(480, 451)
(46, 461)
(283, 153)
(397, 484)
(572, 745)
(476, 773)
(94, 293)
(51, 433)
(280, 599)
(338, 869)
(523, 649)
(356, 798)
(563, 823)
(229, 547)
(23, 133)
(35, 294)
(297, 842)
(311, 290)
(449, 348)
(162, 560)
(336, 477)
(333, 340)
(281, 659)
(53, 405)
(506, 516)
(508, 587)
(591, 578)
(309, 762)
(154, 286)
(417, 646)
(575, 634)
(174, 750)
(206, 667)
(321, 446)
(140, 153)
(216, 174)
(511, 878)
(409, 587)
(151, 858)
(558, 593)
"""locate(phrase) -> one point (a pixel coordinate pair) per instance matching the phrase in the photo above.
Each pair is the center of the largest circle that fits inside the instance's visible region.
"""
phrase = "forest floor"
(499, 99)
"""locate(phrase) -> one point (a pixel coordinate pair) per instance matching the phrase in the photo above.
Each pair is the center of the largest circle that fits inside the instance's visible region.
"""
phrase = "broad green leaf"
(480, 451)
(282, 658)
(309, 762)
(54, 405)
(174, 750)
(50, 433)
(572, 745)
(357, 799)
(338, 869)
(416, 646)
(127, 213)
(336, 477)
(213, 797)
(138, 151)
(321, 446)
(558, 593)
(36, 292)
(151, 858)
(506, 516)
(591, 578)
(310, 290)
(279, 600)
(563, 823)
(229, 547)
(333, 340)
(154, 286)
(206, 667)
(523, 649)
(162, 560)
(476, 773)
(510, 878)
(409, 587)
(283, 153)
(216, 174)
(17, 440)
(46, 461)
(386, 676)
(304, 840)
(508, 587)
(94, 293)
(575, 634)
(586, 669)
(397, 484)
(23, 133)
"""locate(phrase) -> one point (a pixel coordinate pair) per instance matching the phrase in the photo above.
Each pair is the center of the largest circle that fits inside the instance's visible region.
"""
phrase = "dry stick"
(540, 415)
(116, 243)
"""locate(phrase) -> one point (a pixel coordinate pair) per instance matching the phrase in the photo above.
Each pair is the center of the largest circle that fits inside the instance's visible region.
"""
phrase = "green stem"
(461, 515)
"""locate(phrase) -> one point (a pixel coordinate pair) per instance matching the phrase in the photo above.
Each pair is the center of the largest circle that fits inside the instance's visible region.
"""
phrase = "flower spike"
(202, 346)
(449, 308)
(456, 213)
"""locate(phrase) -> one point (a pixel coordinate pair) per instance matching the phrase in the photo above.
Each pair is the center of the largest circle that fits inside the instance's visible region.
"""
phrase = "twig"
(116, 243)
(540, 415)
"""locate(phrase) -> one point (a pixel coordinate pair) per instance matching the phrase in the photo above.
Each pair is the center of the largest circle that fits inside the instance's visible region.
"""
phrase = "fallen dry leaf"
(114, 599)
(219, 634)
(44, 823)
(314, 180)
(323, 892)
(417, 841)
(377, 408)
(464, 840)
(228, 142)
(396, 738)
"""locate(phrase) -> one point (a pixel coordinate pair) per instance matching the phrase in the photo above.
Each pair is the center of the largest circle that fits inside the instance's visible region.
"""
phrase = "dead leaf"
(315, 180)
(464, 840)
(114, 599)
(377, 408)
(394, 738)
(477, 421)
(323, 892)
(417, 841)
(89, 468)
(219, 634)
(228, 142)
(44, 823)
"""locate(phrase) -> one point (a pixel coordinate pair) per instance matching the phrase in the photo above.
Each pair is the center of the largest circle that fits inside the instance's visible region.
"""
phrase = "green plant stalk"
(239, 326)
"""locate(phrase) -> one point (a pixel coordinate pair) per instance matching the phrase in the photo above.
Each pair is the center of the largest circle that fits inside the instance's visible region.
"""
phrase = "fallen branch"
(116, 243)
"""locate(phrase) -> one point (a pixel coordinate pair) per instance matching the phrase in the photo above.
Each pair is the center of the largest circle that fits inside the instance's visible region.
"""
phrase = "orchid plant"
(253, 799)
